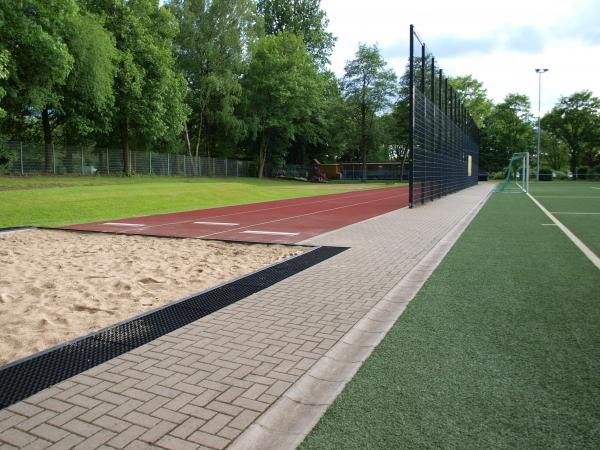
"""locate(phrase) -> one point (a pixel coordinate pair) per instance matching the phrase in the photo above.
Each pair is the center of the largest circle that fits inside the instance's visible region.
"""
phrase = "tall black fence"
(443, 138)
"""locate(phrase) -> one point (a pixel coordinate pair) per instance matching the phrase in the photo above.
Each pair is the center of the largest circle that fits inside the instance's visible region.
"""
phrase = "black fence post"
(411, 116)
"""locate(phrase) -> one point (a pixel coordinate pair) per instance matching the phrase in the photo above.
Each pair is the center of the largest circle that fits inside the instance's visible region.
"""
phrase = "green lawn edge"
(56, 201)
(499, 349)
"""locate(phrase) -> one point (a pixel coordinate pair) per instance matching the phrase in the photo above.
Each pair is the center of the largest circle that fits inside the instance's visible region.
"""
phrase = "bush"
(595, 173)
(583, 172)
(560, 175)
(500, 175)
(545, 174)
(7, 156)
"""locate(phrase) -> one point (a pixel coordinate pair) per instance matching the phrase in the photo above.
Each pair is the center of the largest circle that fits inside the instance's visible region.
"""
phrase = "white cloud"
(499, 43)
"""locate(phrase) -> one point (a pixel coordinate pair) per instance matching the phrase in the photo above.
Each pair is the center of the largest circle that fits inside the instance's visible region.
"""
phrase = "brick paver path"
(204, 384)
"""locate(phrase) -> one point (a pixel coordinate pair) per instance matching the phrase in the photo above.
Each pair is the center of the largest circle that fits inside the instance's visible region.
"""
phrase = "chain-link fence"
(19, 158)
(444, 139)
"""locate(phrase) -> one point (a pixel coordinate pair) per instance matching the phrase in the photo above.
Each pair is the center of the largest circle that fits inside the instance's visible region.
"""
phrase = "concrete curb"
(293, 416)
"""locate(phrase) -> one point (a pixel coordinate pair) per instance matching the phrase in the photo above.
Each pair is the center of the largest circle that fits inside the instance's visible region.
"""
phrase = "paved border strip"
(293, 416)
(584, 248)
(25, 377)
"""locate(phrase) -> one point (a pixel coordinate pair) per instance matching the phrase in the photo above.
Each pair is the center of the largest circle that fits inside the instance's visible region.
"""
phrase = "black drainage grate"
(24, 378)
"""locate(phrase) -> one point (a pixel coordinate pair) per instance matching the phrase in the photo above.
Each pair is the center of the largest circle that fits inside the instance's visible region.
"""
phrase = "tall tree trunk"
(188, 144)
(68, 159)
(574, 154)
(363, 141)
(262, 155)
(48, 157)
(197, 162)
(125, 145)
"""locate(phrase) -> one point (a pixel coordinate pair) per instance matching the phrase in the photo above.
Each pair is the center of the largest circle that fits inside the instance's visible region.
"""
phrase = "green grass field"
(53, 201)
(576, 205)
(500, 349)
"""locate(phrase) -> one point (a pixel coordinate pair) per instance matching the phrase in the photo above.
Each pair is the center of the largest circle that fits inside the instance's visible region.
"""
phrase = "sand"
(59, 285)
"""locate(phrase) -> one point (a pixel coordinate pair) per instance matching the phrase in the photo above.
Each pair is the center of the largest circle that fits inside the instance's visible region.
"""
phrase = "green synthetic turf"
(52, 201)
(563, 199)
(500, 349)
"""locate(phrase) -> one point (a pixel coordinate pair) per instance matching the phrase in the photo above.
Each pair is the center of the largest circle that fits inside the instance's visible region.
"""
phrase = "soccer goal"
(517, 176)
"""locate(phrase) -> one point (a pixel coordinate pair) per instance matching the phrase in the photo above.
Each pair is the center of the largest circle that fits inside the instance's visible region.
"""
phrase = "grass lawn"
(52, 201)
(500, 349)
(576, 205)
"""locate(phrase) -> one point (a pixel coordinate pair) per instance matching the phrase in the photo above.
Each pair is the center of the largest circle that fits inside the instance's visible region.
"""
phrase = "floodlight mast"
(539, 124)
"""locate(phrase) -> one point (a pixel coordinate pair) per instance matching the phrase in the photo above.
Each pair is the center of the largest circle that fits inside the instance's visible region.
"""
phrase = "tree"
(149, 92)
(369, 88)
(211, 45)
(4, 55)
(576, 121)
(88, 96)
(474, 97)
(303, 18)
(509, 129)
(282, 91)
(33, 33)
(554, 152)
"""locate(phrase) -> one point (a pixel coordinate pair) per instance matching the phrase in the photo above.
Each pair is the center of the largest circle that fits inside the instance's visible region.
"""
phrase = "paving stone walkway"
(225, 380)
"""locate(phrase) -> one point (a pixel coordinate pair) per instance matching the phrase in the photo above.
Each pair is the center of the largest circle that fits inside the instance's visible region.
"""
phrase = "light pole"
(539, 127)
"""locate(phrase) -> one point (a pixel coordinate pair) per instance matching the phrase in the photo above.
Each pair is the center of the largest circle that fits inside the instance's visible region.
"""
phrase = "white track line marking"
(577, 213)
(357, 193)
(595, 187)
(118, 224)
(221, 224)
(548, 224)
(301, 215)
(584, 248)
(274, 233)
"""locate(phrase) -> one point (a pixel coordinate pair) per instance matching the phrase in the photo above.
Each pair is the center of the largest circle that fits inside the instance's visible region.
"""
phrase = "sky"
(499, 42)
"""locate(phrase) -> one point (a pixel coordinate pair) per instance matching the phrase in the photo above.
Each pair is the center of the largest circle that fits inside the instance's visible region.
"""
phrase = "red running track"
(280, 221)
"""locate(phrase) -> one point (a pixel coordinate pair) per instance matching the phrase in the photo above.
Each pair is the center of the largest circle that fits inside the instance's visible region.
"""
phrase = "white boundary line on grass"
(584, 248)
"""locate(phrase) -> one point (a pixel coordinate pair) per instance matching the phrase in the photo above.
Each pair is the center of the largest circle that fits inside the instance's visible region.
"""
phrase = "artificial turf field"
(53, 201)
(499, 349)
(576, 205)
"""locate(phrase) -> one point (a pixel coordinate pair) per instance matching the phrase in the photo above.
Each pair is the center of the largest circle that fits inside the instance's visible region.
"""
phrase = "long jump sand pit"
(58, 285)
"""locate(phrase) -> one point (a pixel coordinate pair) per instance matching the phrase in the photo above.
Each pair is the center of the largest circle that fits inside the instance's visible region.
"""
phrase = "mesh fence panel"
(28, 159)
(444, 140)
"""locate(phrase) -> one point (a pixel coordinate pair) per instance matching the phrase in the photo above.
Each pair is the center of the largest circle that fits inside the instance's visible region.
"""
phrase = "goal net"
(517, 175)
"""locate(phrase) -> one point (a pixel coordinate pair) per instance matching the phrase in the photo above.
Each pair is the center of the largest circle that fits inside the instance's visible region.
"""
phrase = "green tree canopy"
(34, 32)
(303, 18)
(211, 45)
(88, 96)
(576, 121)
(507, 130)
(282, 92)
(4, 55)
(474, 96)
(149, 91)
(369, 87)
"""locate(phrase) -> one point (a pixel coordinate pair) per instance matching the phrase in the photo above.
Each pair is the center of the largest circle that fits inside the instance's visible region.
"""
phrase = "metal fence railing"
(19, 158)
(443, 138)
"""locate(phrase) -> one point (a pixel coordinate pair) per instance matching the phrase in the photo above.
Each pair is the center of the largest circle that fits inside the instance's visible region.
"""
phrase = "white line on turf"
(222, 224)
(274, 233)
(584, 248)
(548, 224)
(595, 187)
(577, 213)
(566, 196)
(118, 224)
